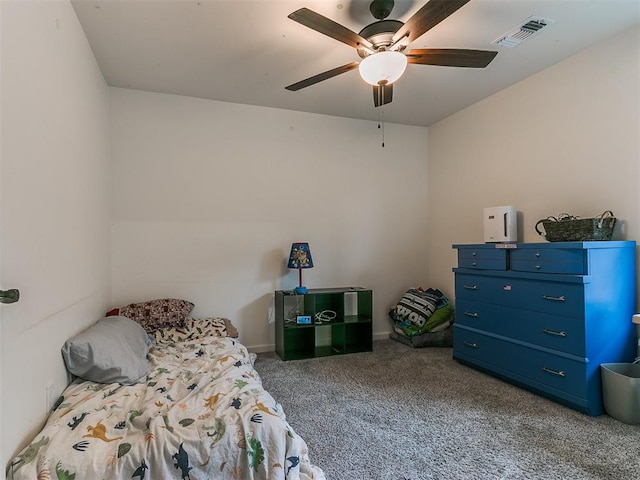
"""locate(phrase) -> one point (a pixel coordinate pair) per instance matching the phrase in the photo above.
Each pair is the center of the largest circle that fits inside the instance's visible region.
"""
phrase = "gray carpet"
(400, 413)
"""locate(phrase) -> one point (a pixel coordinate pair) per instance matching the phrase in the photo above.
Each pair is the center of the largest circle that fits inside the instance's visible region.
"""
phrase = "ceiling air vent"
(528, 28)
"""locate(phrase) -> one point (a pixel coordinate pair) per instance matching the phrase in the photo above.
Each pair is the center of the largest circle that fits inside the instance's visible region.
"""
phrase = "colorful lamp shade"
(300, 257)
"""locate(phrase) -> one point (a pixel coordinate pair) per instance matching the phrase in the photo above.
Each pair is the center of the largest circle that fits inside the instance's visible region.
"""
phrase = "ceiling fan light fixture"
(383, 67)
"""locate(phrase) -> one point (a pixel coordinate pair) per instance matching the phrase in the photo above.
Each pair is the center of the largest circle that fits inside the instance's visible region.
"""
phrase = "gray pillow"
(113, 350)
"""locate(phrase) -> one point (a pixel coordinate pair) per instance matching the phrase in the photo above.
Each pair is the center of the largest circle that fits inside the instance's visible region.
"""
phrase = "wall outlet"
(49, 396)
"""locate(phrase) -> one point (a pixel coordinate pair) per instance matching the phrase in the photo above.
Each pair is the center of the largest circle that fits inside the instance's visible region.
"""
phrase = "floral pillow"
(155, 314)
(195, 328)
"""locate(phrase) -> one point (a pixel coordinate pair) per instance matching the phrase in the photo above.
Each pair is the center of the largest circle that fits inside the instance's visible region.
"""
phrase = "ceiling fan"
(382, 44)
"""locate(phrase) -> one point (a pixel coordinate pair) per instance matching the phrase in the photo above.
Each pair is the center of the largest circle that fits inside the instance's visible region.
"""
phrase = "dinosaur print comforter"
(201, 414)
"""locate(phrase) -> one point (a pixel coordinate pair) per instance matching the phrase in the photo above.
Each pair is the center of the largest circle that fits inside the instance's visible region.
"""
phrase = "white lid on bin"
(636, 318)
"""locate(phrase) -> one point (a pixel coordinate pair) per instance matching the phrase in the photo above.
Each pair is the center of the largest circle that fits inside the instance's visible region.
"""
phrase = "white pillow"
(113, 350)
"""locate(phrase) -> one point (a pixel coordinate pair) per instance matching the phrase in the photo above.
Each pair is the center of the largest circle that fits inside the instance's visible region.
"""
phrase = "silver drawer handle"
(553, 332)
(555, 299)
(471, 314)
(470, 287)
(560, 373)
(472, 345)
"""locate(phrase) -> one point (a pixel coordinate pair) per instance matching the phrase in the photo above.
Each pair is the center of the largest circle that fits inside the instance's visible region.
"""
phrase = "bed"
(199, 411)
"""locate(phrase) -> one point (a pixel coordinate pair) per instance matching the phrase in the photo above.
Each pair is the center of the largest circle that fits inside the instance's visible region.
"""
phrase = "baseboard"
(381, 336)
(262, 348)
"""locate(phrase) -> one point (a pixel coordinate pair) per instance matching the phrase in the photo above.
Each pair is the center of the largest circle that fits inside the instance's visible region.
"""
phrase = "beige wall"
(564, 140)
(2, 455)
(54, 197)
(208, 197)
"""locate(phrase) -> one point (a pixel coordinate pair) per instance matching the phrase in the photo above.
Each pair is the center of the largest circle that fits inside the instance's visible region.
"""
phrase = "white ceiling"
(247, 51)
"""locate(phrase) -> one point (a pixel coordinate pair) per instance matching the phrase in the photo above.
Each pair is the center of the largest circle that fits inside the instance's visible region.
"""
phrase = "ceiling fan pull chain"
(381, 123)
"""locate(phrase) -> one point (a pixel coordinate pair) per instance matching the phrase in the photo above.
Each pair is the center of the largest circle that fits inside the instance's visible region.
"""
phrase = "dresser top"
(543, 245)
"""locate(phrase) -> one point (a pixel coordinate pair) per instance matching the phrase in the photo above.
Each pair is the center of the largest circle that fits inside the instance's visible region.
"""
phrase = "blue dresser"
(544, 316)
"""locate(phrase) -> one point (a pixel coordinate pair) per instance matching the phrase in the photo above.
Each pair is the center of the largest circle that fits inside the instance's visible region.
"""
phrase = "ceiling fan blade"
(328, 27)
(431, 14)
(382, 94)
(322, 76)
(451, 57)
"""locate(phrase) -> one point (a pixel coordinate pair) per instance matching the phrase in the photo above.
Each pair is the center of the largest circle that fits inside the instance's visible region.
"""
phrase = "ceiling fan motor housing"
(380, 34)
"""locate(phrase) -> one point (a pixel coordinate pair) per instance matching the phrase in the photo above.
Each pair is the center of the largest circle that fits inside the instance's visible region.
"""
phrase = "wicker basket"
(568, 228)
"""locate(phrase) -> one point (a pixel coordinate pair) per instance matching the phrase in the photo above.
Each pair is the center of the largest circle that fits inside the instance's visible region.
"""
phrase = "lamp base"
(301, 290)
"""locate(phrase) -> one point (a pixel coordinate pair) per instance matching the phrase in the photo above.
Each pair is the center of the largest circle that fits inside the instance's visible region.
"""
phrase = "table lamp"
(300, 257)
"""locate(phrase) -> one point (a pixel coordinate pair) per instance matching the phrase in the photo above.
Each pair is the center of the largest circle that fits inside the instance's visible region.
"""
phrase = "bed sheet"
(202, 413)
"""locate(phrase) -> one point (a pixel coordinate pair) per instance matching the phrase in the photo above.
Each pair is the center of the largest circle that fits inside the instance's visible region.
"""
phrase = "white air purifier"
(500, 224)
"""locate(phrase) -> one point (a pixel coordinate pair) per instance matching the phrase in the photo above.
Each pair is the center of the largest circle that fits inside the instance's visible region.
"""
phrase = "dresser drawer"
(564, 334)
(482, 258)
(569, 261)
(554, 298)
(536, 367)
